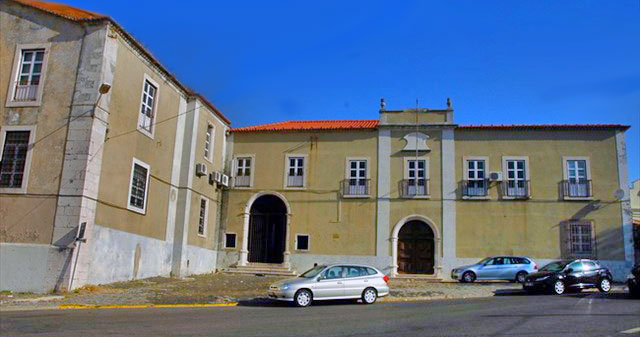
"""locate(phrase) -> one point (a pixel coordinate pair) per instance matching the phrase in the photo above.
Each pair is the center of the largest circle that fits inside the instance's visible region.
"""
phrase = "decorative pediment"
(416, 141)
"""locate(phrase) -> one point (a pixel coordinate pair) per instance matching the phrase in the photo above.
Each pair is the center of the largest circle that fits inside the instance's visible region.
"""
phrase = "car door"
(330, 283)
(509, 268)
(590, 273)
(355, 281)
(575, 276)
(490, 270)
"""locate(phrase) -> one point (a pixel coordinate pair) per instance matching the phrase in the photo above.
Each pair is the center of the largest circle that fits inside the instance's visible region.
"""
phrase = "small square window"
(302, 242)
(230, 240)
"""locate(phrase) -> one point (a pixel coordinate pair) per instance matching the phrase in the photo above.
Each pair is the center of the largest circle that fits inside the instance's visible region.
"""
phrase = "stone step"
(261, 272)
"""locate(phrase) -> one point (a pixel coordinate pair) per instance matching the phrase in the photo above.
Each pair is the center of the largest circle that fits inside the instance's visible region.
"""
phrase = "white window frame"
(209, 146)
(287, 167)
(505, 173)
(308, 242)
(426, 175)
(252, 169)
(565, 174)
(27, 165)
(17, 62)
(465, 166)
(225, 240)
(154, 119)
(347, 175)
(206, 217)
(146, 190)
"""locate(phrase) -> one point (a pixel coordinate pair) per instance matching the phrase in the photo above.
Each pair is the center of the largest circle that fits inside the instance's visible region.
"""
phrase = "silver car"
(332, 282)
(508, 268)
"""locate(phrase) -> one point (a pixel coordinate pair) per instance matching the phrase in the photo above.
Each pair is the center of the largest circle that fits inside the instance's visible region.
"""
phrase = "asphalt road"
(508, 315)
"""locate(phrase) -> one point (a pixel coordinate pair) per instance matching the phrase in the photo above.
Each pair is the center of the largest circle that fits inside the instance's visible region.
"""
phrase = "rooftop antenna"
(417, 167)
(382, 104)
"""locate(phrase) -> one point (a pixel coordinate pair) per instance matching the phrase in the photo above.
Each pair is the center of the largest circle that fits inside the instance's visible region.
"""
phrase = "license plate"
(528, 284)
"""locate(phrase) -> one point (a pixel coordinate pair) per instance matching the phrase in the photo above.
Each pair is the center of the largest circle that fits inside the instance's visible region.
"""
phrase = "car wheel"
(604, 285)
(303, 298)
(468, 277)
(558, 287)
(369, 296)
(520, 276)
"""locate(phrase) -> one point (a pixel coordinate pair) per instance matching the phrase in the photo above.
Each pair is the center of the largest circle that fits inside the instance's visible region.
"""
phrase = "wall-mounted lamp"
(104, 88)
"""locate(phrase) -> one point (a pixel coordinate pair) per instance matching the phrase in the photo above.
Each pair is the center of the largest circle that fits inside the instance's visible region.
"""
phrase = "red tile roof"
(373, 124)
(545, 127)
(311, 125)
(65, 11)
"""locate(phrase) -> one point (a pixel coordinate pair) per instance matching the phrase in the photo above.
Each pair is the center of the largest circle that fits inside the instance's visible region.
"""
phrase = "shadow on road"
(267, 302)
(598, 296)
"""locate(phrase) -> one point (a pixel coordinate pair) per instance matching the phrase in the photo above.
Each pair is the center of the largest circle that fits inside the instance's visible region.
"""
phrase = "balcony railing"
(414, 188)
(295, 181)
(25, 93)
(355, 187)
(577, 189)
(519, 189)
(242, 181)
(475, 188)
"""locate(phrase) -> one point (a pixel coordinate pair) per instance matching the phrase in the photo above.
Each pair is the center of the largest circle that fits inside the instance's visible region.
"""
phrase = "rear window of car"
(520, 260)
(371, 271)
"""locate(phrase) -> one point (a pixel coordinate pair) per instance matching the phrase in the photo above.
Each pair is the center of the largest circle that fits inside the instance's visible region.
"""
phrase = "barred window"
(202, 218)
(580, 237)
(14, 158)
(139, 179)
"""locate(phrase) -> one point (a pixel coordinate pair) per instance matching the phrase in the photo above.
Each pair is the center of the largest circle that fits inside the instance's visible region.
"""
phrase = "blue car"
(501, 268)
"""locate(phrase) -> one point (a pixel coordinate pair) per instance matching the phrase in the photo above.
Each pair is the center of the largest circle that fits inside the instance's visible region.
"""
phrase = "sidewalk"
(223, 288)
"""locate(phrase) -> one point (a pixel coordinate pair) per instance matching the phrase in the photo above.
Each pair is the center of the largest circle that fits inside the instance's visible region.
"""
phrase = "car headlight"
(542, 278)
(285, 287)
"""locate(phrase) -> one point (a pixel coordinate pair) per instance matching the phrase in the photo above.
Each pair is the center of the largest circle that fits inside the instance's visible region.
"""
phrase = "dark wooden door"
(416, 246)
(266, 237)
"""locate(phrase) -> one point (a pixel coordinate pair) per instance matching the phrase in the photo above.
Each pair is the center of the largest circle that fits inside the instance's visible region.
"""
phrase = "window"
(243, 172)
(14, 158)
(576, 266)
(516, 177)
(295, 172)
(148, 106)
(302, 242)
(208, 143)
(577, 183)
(230, 240)
(333, 273)
(580, 238)
(588, 265)
(357, 182)
(202, 217)
(27, 78)
(415, 182)
(476, 183)
(139, 186)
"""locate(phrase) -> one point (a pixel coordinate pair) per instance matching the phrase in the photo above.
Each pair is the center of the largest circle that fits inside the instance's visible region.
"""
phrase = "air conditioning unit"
(217, 177)
(201, 170)
(212, 180)
(225, 180)
(495, 176)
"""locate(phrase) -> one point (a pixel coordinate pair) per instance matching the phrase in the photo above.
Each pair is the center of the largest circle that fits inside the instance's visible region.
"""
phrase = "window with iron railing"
(29, 75)
(414, 188)
(475, 188)
(295, 172)
(516, 189)
(243, 172)
(580, 238)
(577, 188)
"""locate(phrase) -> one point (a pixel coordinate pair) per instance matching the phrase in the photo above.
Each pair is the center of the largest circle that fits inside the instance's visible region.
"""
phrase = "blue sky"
(501, 62)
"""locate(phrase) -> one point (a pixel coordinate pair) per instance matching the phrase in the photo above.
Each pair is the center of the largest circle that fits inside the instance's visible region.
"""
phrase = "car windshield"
(483, 261)
(554, 266)
(313, 272)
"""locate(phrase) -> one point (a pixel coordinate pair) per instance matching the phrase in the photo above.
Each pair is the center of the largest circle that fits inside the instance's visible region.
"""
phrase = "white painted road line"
(631, 331)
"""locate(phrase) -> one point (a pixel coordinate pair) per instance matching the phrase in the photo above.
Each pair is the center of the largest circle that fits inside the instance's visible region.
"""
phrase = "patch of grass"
(92, 289)
(5, 292)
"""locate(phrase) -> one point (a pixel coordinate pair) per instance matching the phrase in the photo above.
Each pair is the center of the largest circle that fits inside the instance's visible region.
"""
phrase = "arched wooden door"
(416, 246)
(267, 230)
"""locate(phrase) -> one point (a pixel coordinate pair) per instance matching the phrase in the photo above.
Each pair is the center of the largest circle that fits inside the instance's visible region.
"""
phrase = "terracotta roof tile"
(311, 125)
(66, 11)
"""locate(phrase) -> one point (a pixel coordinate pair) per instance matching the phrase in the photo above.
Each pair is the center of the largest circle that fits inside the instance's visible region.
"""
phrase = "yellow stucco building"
(113, 170)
